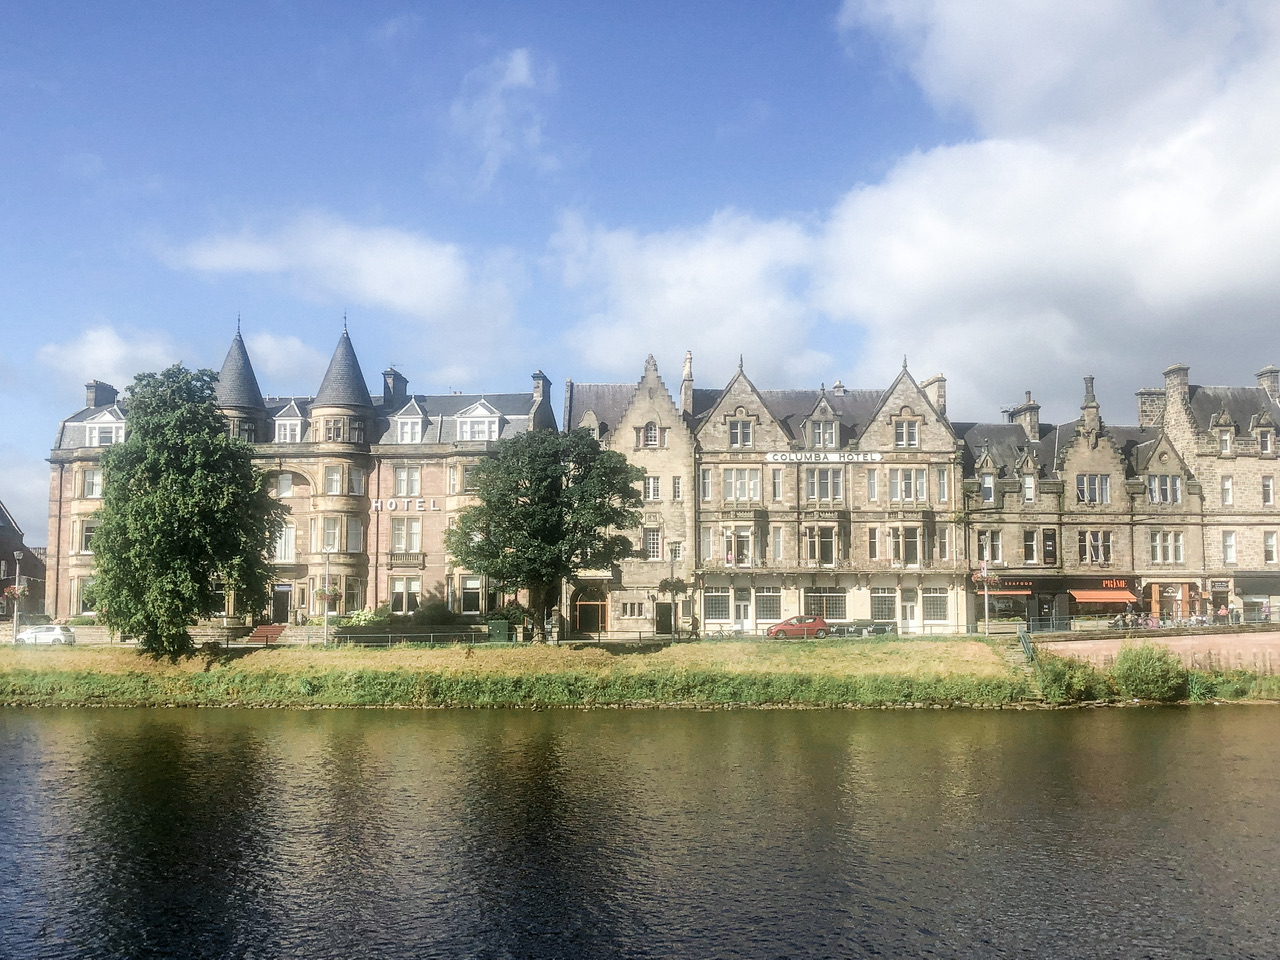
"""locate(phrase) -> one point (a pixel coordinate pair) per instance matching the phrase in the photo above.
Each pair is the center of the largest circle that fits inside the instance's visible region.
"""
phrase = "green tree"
(184, 515)
(550, 505)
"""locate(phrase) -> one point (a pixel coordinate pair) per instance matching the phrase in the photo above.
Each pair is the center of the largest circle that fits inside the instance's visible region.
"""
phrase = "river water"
(754, 834)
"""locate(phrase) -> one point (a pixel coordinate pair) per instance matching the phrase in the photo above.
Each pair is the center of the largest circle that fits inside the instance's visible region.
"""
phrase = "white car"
(47, 633)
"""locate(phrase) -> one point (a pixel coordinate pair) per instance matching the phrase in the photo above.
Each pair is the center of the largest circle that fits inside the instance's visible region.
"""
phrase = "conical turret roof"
(343, 384)
(237, 386)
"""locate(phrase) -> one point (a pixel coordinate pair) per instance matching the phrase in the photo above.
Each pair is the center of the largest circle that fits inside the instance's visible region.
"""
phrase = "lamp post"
(325, 598)
(17, 590)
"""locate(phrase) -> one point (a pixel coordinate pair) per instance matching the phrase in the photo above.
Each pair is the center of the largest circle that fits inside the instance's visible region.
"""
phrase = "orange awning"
(1103, 596)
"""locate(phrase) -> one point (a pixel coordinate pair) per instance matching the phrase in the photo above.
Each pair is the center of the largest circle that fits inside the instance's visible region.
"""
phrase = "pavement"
(1259, 652)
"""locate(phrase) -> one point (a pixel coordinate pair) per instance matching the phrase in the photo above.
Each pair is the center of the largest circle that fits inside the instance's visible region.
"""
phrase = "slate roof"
(1241, 403)
(792, 407)
(608, 401)
(237, 386)
(1007, 443)
(343, 384)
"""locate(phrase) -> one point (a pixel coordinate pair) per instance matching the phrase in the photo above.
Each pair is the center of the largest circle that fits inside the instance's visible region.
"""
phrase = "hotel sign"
(815, 456)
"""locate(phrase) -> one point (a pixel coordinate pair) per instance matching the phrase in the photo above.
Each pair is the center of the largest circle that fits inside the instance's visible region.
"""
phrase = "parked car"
(799, 627)
(863, 628)
(47, 633)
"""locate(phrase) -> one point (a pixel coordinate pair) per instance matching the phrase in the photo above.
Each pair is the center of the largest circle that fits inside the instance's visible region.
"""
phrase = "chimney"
(395, 387)
(1176, 380)
(1027, 416)
(686, 384)
(540, 383)
(1269, 380)
(935, 388)
(99, 394)
(1150, 406)
(1091, 420)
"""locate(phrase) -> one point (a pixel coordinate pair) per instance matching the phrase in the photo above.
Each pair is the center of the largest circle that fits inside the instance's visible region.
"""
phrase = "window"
(1166, 546)
(907, 484)
(87, 529)
(332, 527)
(1030, 547)
(775, 542)
(935, 603)
(942, 484)
(1224, 441)
(742, 484)
(1164, 488)
(905, 545)
(989, 546)
(871, 485)
(355, 481)
(1028, 488)
(1049, 541)
(408, 481)
(704, 482)
(469, 477)
(776, 481)
(652, 543)
(825, 602)
(884, 603)
(355, 535)
(1093, 487)
(248, 431)
(105, 434)
(705, 536)
(873, 543)
(357, 430)
(906, 433)
(820, 545)
(653, 488)
(676, 492)
(650, 435)
(409, 431)
(768, 603)
(470, 594)
(739, 433)
(284, 485)
(1228, 491)
(288, 431)
(1264, 441)
(942, 540)
(824, 483)
(405, 592)
(988, 488)
(285, 543)
(823, 433)
(406, 535)
(333, 430)
(1228, 546)
(453, 479)
(484, 428)
(632, 609)
(715, 603)
(333, 480)
(1269, 546)
(1268, 491)
(737, 546)
(1094, 546)
(91, 484)
(353, 595)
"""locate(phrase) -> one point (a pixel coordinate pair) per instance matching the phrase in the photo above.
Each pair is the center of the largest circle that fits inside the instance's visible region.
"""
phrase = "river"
(580, 834)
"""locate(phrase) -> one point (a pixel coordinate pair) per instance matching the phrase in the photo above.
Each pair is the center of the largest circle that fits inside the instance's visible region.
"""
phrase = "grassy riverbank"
(861, 673)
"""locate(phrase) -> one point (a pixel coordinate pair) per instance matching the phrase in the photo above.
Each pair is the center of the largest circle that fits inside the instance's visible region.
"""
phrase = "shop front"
(1101, 598)
(1173, 600)
(1259, 595)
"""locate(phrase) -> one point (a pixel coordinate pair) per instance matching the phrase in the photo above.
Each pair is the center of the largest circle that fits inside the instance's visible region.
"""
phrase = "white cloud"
(286, 364)
(103, 353)
(497, 116)
(443, 299)
(734, 286)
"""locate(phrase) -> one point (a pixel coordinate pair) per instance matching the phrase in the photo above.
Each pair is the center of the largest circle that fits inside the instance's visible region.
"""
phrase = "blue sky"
(1013, 194)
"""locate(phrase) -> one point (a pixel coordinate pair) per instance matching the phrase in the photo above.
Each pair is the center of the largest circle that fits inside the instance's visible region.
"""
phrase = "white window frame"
(653, 488)
(906, 434)
(1227, 486)
(91, 484)
(408, 481)
(1093, 488)
(289, 431)
(476, 429)
(1228, 546)
(740, 434)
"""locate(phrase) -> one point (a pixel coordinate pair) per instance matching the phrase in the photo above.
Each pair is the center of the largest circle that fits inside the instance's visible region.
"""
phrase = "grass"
(836, 672)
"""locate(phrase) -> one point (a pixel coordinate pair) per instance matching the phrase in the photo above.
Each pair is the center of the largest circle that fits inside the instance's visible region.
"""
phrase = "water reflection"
(393, 834)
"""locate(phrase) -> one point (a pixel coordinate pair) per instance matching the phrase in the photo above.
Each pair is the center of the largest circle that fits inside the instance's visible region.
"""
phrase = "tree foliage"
(550, 505)
(184, 513)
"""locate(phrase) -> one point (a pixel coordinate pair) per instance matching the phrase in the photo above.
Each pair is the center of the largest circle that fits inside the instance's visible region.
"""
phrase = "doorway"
(281, 602)
(663, 619)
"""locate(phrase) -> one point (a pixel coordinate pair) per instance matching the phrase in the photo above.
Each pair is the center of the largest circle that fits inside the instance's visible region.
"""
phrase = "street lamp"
(326, 596)
(17, 590)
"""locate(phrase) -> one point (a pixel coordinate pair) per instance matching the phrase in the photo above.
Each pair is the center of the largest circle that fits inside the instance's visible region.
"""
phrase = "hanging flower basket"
(16, 593)
(324, 595)
(981, 579)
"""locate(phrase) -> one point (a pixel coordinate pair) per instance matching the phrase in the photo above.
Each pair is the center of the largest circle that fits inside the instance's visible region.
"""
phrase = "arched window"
(651, 434)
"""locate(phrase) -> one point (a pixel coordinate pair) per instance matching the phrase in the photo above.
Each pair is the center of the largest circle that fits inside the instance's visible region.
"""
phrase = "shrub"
(369, 618)
(1149, 672)
(512, 611)
(434, 613)
(1068, 680)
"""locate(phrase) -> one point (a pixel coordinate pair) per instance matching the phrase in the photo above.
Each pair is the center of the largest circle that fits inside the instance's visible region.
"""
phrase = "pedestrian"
(693, 627)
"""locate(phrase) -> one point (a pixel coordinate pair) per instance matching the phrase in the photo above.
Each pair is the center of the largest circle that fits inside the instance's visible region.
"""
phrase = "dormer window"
(906, 434)
(1265, 440)
(409, 431)
(1224, 442)
(822, 433)
(739, 433)
(478, 428)
(105, 434)
(1164, 488)
(1029, 487)
(988, 488)
(288, 431)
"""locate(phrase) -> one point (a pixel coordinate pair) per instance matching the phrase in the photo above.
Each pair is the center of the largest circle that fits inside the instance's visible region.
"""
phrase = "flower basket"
(16, 593)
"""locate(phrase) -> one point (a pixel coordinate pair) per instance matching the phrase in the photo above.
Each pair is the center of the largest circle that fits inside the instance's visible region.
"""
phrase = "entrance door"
(741, 605)
(908, 609)
(281, 597)
(664, 618)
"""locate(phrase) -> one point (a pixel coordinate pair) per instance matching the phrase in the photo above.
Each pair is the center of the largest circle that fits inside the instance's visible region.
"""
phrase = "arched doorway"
(589, 609)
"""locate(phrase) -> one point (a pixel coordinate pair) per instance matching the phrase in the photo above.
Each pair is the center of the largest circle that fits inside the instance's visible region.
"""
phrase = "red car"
(799, 627)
